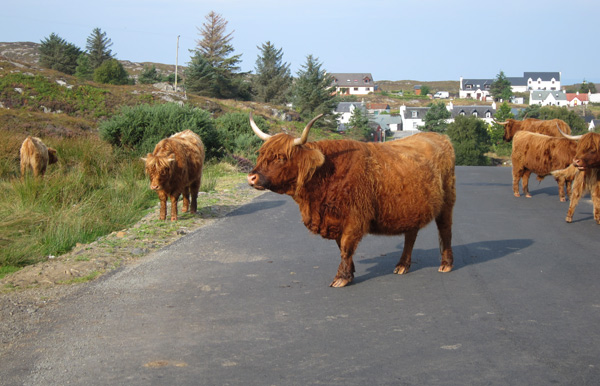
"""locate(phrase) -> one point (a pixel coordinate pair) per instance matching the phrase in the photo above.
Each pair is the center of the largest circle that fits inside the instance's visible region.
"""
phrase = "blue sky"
(424, 40)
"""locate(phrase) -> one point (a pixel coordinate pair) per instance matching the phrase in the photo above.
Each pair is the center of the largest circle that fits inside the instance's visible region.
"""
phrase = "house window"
(469, 86)
(414, 114)
(355, 88)
(475, 114)
(488, 115)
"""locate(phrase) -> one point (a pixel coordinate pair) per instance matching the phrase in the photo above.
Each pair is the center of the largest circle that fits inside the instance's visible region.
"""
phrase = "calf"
(541, 154)
(36, 156)
(175, 168)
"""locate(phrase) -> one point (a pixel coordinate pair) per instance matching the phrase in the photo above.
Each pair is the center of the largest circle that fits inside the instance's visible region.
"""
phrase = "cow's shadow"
(464, 255)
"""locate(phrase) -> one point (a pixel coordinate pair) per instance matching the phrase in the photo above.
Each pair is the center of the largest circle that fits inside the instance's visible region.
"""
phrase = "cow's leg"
(517, 174)
(405, 260)
(174, 198)
(596, 201)
(444, 224)
(576, 193)
(561, 188)
(194, 188)
(345, 273)
(569, 184)
(162, 196)
(525, 183)
(186, 199)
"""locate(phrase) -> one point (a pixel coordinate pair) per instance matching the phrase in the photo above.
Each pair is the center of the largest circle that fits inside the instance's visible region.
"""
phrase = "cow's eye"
(281, 159)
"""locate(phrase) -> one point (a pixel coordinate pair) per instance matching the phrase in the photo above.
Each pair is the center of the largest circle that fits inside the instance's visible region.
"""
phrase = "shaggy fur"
(36, 156)
(541, 154)
(585, 169)
(346, 189)
(535, 126)
(175, 168)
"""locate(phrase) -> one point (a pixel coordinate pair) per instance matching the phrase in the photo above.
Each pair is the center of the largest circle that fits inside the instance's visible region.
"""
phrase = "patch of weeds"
(82, 279)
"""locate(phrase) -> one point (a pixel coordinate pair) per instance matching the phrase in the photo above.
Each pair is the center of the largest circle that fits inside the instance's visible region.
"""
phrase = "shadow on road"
(466, 254)
(255, 207)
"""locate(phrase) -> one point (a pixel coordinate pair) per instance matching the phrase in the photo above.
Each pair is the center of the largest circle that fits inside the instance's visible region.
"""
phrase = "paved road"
(246, 301)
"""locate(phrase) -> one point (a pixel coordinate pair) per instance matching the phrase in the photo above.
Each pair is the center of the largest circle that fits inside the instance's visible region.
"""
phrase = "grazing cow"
(346, 189)
(36, 156)
(541, 154)
(174, 168)
(549, 127)
(587, 178)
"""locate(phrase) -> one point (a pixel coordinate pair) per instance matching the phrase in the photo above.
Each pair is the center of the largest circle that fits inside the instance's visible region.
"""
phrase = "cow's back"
(548, 127)
(34, 155)
(541, 153)
(189, 157)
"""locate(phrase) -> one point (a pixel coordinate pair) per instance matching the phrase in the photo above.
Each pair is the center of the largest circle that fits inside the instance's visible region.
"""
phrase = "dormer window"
(475, 113)
(414, 114)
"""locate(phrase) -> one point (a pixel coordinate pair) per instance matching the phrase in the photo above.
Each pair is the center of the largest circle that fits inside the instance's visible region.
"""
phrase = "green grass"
(89, 193)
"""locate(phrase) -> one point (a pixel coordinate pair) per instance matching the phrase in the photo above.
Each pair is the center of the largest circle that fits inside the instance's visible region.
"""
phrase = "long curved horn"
(304, 137)
(500, 123)
(571, 137)
(257, 131)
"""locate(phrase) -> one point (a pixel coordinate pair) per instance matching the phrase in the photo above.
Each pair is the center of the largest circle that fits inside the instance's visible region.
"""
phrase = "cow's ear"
(171, 158)
(310, 161)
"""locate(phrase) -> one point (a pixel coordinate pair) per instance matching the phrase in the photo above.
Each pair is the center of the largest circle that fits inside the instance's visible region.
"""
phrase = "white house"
(344, 112)
(577, 99)
(353, 84)
(548, 98)
(480, 88)
(413, 118)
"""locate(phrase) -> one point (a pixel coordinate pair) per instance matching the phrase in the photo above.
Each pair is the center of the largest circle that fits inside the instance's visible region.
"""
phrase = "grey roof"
(421, 112)
(344, 107)
(517, 81)
(469, 110)
(353, 79)
(477, 83)
(385, 120)
(544, 76)
(541, 95)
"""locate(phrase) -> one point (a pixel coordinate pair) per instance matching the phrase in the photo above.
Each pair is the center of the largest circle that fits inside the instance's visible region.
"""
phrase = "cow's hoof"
(528, 195)
(563, 200)
(569, 219)
(445, 268)
(340, 282)
(401, 270)
(517, 195)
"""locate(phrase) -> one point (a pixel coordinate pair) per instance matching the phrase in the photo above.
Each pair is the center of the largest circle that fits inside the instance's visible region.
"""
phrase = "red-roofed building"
(577, 99)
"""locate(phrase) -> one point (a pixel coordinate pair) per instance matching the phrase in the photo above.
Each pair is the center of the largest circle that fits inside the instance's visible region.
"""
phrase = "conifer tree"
(98, 48)
(216, 63)
(273, 78)
(312, 92)
(58, 54)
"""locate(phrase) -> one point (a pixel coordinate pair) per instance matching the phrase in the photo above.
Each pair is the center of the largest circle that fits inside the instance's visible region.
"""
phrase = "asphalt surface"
(246, 301)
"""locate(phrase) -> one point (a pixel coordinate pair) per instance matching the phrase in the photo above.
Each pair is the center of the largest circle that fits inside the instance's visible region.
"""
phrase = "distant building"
(353, 83)
(344, 112)
(479, 89)
(548, 98)
(577, 99)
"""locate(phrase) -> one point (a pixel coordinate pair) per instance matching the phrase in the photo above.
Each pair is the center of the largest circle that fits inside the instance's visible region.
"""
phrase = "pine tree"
(435, 119)
(312, 92)
(273, 78)
(215, 51)
(58, 54)
(501, 88)
(499, 146)
(98, 48)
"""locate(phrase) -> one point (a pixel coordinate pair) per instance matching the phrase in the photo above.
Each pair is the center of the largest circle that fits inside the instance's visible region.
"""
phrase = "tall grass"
(92, 191)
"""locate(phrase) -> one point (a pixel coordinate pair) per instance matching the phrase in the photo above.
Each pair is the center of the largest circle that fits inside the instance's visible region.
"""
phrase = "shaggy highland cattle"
(175, 168)
(549, 127)
(346, 189)
(36, 156)
(587, 175)
(541, 154)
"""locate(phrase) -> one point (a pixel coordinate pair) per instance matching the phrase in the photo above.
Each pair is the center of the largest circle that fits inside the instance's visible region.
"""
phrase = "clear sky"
(423, 40)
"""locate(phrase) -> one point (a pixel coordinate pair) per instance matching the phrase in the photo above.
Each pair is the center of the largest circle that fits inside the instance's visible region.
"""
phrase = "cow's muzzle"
(254, 181)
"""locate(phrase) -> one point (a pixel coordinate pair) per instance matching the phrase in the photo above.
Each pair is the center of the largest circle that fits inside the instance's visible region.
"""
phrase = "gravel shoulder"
(28, 292)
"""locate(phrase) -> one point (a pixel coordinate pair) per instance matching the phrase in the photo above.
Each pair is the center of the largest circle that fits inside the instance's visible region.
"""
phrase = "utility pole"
(176, 60)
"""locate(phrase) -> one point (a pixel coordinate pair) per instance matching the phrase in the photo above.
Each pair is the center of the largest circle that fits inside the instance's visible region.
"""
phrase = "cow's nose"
(153, 187)
(252, 178)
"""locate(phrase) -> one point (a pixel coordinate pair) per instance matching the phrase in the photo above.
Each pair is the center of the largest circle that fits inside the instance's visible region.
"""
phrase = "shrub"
(471, 140)
(141, 127)
(111, 72)
(237, 136)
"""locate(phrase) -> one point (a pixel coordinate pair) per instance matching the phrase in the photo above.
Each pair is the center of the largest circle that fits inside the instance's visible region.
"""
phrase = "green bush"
(237, 136)
(471, 140)
(140, 128)
(111, 72)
